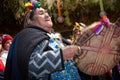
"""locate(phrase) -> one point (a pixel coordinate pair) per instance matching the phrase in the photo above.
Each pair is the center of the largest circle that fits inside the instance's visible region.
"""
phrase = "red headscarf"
(5, 38)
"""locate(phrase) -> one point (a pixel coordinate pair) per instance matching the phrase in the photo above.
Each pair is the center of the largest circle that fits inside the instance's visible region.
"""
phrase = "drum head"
(100, 53)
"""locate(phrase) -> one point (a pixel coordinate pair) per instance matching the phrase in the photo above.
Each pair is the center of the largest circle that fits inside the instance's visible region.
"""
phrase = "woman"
(6, 42)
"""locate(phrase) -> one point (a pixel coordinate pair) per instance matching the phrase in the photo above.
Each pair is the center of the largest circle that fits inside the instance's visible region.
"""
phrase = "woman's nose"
(47, 15)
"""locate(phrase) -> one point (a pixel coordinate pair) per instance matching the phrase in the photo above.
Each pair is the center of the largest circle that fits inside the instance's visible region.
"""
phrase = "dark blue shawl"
(21, 48)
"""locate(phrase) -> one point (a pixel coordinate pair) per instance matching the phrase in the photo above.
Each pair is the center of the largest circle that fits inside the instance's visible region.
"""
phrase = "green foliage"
(78, 7)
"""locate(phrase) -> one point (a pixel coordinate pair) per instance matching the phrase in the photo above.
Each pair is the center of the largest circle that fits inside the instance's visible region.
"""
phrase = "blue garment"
(69, 73)
(20, 50)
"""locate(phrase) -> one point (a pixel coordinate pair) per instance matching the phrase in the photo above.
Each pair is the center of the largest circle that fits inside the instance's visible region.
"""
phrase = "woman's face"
(7, 44)
(41, 18)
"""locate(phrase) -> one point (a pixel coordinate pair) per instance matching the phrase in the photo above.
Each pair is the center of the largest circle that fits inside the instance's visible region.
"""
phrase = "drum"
(99, 52)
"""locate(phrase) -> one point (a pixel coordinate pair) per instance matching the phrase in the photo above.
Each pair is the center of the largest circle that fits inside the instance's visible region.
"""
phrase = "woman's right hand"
(70, 51)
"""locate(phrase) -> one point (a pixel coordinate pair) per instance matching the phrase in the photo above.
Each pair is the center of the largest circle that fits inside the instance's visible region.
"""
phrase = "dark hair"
(31, 14)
